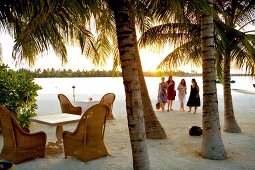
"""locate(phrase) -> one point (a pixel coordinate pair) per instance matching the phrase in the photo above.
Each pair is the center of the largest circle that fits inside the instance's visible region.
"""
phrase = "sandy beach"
(178, 151)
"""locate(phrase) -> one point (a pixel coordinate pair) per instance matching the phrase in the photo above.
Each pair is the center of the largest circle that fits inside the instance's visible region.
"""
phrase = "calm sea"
(242, 89)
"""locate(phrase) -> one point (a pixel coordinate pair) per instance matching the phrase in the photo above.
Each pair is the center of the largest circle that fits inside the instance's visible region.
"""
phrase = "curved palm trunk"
(125, 27)
(212, 145)
(230, 124)
(153, 128)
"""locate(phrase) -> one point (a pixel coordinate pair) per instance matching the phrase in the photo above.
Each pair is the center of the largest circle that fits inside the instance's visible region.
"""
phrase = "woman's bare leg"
(162, 106)
(170, 102)
(195, 109)
(182, 107)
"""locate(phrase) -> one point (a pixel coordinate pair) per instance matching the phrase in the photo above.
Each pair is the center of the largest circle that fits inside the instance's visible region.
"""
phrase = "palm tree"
(153, 128)
(231, 44)
(98, 50)
(212, 145)
(237, 45)
(125, 27)
(38, 26)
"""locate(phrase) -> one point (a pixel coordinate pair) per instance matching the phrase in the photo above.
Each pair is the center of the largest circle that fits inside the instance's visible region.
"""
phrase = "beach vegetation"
(49, 73)
(18, 93)
(212, 144)
(128, 53)
(52, 23)
(42, 31)
(181, 33)
(234, 46)
(96, 48)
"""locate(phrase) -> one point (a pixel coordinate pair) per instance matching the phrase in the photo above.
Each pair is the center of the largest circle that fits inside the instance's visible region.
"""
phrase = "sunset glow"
(76, 61)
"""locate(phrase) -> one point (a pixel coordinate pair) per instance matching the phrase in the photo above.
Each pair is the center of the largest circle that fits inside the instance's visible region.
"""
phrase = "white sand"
(178, 151)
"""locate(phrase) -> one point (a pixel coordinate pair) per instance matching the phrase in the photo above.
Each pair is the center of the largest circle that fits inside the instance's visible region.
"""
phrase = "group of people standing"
(167, 93)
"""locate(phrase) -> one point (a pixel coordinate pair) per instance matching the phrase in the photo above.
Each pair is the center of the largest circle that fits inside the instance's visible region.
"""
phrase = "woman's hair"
(184, 82)
(194, 80)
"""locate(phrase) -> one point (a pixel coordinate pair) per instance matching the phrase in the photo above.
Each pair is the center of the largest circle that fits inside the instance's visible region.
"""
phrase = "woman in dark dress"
(194, 99)
(171, 93)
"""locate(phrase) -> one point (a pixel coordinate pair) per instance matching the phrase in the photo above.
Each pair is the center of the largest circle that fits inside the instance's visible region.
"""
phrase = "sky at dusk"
(76, 60)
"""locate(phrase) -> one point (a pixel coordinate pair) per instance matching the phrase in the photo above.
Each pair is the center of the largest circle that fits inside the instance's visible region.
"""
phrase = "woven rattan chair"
(67, 107)
(86, 142)
(108, 99)
(18, 145)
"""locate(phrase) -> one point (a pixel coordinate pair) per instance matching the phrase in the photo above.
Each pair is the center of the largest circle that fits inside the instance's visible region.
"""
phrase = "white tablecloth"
(84, 105)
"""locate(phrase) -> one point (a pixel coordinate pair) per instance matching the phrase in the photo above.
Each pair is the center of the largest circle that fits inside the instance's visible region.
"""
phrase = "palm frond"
(143, 15)
(245, 13)
(183, 55)
(178, 11)
(46, 23)
(177, 33)
(116, 59)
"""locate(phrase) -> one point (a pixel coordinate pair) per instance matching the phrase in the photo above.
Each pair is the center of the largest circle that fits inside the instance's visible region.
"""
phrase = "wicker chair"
(67, 107)
(18, 145)
(86, 142)
(108, 99)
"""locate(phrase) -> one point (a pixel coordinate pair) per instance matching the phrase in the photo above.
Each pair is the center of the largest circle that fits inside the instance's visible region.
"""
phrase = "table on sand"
(57, 120)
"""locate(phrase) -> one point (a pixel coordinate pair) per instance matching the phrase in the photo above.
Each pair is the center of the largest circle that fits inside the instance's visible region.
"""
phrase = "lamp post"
(73, 92)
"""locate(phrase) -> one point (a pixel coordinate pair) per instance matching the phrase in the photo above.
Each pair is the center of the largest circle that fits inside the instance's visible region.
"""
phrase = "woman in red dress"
(171, 93)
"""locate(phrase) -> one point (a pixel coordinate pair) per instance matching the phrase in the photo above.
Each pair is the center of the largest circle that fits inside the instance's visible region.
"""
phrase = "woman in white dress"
(182, 91)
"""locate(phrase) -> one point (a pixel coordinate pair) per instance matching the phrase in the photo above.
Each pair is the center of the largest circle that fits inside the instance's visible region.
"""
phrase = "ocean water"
(243, 92)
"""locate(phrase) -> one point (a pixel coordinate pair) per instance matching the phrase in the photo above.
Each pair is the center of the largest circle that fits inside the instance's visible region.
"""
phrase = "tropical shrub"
(18, 94)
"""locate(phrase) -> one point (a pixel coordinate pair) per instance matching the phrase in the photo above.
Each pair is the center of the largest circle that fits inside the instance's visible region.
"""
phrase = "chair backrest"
(67, 107)
(108, 99)
(91, 127)
(64, 103)
(10, 127)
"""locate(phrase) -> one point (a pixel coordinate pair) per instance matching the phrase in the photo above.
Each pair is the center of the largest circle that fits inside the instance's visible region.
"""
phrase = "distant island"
(52, 73)
(48, 73)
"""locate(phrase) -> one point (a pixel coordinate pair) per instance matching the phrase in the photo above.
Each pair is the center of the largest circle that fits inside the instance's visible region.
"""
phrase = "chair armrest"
(31, 139)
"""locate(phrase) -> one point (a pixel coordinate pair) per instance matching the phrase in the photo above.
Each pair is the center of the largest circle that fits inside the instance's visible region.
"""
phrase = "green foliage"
(47, 73)
(18, 93)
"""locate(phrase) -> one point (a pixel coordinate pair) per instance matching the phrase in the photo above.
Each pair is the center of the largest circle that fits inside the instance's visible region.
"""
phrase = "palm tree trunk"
(230, 124)
(125, 27)
(212, 145)
(153, 128)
